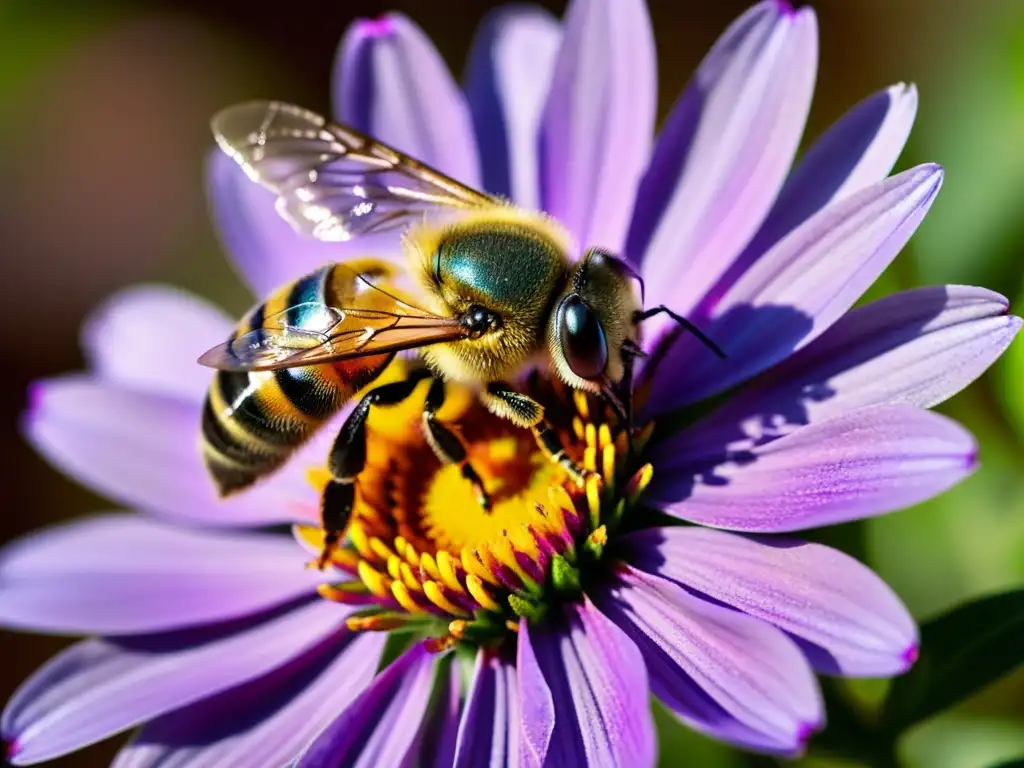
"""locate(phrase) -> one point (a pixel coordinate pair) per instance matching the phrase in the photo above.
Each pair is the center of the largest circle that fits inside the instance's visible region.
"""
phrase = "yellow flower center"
(421, 549)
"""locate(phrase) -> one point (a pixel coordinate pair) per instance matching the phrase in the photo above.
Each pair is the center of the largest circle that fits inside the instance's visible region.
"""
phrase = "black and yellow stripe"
(252, 422)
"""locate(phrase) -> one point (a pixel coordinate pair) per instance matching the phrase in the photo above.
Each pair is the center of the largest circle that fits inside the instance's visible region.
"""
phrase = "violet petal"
(724, 153)
(724, 673)
(391, 83)
(101, 687)
(536, 710)
(857, 150)
(127, 574)
(489, 731)
(917, 347)
(141, 449)
(441, 729)
(382, 726)
(508, 79)
(118, 339)
(598, 122)
(266, 722)
(814, 592)
(798, 289)
(863, 463)
(598, 683)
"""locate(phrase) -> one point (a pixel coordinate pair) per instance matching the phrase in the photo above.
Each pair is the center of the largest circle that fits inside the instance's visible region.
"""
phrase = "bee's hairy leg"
(447, 445)
(527, 412)
(348, 458)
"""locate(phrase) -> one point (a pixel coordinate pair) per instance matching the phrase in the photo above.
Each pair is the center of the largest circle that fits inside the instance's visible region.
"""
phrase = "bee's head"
(593, 321)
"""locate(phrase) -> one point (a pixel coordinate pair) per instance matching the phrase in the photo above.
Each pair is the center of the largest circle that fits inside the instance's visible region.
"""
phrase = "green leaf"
(962, 651)
(1017, 762)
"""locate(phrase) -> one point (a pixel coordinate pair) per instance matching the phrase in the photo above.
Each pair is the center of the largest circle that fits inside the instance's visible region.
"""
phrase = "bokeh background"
(103, 130)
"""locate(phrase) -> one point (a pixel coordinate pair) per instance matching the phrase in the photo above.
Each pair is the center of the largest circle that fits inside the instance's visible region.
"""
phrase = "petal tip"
(33, 398)
(972, 460)
(804, 733)
(382, 27)
(11, 748)
(910, 655)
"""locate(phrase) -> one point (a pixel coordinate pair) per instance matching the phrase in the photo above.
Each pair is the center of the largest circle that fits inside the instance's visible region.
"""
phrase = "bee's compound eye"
(582, 338)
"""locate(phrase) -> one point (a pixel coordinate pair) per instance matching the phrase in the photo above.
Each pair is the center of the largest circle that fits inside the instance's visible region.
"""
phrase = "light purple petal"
(149, 337)
(859, 149)
(391, 83)
(722, 672)
(489, 731)
(863, 463)
(598, 121)
(820, 595)
(264, 248)
(125, 574)
(507, 84)
(724, 152)
(799, 288)
(598, 684)
(142, 450)
(265, 722)
(100, 687)
(536, 710)
(382, 726)
(917, 347)
(441, 729)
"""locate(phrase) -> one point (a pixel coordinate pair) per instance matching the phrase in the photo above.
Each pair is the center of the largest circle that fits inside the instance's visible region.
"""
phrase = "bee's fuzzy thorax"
(511, 261)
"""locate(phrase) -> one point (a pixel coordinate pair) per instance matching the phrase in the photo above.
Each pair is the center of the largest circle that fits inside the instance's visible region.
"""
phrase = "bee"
(501, 292)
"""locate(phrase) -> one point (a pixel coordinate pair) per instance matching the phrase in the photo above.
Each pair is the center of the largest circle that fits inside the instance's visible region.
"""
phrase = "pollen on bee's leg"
(331, 541)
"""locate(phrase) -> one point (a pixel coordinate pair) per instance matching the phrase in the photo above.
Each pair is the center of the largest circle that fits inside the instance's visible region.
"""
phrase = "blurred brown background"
(103, 129)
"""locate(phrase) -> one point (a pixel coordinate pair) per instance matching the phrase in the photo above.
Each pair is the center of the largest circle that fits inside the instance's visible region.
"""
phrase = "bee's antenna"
(632, 349)
(640, 316)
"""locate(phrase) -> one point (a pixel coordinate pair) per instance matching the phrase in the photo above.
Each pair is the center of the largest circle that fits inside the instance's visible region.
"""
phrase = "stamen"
(375, 581)
(404, 598)
(638, 483)
(428, 564)
(359, 539)
(480, 594)
(438, 598)
(381, 550)
(394, 567)
(408, 578)
(347, 593)
(378, 622)
(472, 563)
(446, 567)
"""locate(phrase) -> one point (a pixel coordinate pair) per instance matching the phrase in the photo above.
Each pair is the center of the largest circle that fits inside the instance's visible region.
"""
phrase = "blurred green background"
(103, 128)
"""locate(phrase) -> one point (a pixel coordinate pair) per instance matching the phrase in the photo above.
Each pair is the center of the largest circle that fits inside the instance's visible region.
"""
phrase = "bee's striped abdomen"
(253, 421)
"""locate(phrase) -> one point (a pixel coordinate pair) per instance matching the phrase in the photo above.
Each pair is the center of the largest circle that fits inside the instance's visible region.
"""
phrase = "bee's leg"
(348, 458)
(523, 410)
(447, 445)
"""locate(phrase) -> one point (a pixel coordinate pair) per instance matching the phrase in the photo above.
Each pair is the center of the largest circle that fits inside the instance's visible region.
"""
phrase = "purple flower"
(226, 651)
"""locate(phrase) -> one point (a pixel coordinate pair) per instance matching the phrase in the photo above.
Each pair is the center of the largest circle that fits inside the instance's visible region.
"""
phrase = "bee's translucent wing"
(313, 333)
(333, 182)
